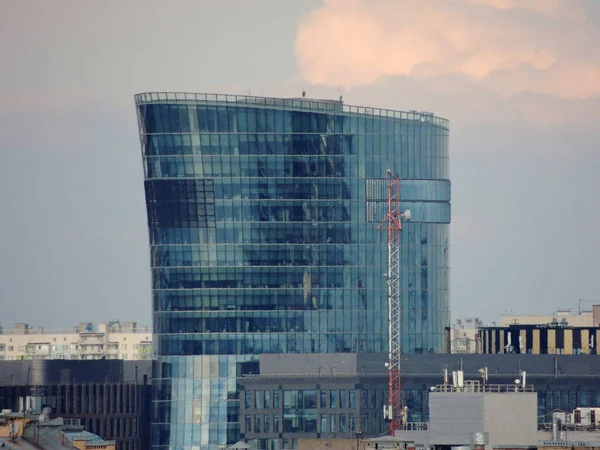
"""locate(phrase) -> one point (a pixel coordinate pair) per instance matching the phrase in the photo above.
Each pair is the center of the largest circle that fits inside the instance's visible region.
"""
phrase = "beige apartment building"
(114, 340)
(564, 317)
(464, 335)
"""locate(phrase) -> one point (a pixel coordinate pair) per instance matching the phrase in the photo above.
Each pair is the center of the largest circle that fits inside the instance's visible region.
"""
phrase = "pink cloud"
(542, 46)
(551, 8)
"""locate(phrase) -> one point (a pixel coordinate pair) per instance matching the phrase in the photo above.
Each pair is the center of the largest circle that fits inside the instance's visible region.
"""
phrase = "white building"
(114, 340)
(464, 336)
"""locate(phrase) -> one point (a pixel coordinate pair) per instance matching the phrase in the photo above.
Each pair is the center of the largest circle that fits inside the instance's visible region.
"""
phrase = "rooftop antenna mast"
(393, 224)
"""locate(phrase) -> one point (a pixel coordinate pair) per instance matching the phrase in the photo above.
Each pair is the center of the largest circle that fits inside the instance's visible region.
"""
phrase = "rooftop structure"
(113, 340)
(18, 431)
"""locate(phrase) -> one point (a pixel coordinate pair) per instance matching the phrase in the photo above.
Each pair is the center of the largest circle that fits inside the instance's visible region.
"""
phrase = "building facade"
(539, 340)
(262, 216)
(279, 408)
(464, 335)
(114, 340)
(110, 398)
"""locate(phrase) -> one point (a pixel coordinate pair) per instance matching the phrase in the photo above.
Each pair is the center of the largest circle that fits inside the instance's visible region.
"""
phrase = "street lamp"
(359, 435)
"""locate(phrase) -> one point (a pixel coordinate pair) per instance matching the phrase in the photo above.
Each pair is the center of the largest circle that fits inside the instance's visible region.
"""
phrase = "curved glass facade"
(263, 233)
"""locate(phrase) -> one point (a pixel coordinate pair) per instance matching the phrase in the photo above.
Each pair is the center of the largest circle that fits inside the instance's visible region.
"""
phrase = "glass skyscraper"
(263, 235)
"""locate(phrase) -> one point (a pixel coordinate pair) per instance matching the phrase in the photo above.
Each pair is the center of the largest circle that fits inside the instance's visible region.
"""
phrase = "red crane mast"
(393, 412)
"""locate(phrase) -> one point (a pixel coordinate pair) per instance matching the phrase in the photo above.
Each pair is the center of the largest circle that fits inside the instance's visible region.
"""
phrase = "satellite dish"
(406, 215)
(517, 381)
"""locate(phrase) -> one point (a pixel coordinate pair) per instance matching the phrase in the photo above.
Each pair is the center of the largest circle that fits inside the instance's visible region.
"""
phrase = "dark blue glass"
(262, 241)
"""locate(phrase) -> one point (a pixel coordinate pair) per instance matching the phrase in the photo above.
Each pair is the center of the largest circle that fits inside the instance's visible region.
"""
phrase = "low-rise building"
(110, 398)
(289, 398)
(114, 340)
(26, 432)
(554, 339)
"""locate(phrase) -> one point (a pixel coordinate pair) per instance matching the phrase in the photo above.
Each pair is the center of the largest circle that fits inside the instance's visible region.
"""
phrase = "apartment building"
(113, 340)
(464, 337)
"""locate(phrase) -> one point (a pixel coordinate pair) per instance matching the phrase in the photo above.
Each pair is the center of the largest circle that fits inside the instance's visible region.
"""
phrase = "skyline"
(522, 108)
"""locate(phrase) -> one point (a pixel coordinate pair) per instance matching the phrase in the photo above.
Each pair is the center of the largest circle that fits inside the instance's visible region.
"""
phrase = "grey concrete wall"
(324, 364)
(453, 417)
(510, 418)
(420, 438)
(547, 365)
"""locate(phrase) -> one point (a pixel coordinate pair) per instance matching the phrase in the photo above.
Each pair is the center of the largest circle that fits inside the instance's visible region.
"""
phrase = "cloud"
(551, 8)
(508, 46)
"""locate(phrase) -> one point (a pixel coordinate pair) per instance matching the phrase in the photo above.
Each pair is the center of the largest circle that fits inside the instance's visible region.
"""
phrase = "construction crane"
(393, 412)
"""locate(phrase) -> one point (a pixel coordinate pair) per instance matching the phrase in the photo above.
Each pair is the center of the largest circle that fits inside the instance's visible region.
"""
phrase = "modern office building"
(262, 216)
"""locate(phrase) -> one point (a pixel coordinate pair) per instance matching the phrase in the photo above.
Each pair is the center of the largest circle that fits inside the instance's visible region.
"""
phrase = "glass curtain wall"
(261, 242)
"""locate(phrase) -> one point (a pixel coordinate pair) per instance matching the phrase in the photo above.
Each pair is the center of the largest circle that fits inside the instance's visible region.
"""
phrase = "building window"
(352, 420)
(310, 399)
(276, 419)
(248, 424)
(352, 398)
(267, 401)
(342, 399)
(323, 399)
(257, 424)
(290, 399)
(343, 423)
(364, 423)
(257, 399)
(323, 423)
(248, 399)
(267, 423)
(333, 423)
(276, 399)
(365, 398)
(333, 398)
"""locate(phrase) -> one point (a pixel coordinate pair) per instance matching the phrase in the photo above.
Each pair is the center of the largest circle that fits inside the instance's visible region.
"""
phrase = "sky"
(519, 81)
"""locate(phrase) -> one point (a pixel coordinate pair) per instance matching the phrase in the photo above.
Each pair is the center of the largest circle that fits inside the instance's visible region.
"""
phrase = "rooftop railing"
(480, 387)
(332, 106)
